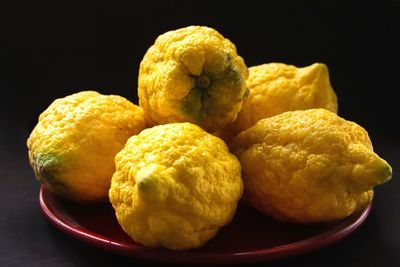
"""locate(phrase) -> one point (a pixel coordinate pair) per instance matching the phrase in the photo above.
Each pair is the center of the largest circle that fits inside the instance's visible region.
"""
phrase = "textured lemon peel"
(186, 76)
(175, 186)
(72, 147)
(275, 88)
(307, 166)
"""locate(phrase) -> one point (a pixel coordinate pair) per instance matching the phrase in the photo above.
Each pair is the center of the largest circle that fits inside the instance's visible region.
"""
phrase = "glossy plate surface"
(250, 237)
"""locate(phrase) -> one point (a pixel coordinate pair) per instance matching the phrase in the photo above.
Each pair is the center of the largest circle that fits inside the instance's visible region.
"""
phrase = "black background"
(49, 50)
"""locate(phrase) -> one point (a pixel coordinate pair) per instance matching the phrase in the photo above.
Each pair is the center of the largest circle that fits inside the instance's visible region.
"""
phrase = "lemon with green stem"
(175, 186)
(72, 148)
(192, 74)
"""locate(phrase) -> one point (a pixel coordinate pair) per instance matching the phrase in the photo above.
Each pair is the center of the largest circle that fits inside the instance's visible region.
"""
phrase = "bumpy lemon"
(276, 88)
(175, 186)
(308, 166)
(72, 148)
(192, 74)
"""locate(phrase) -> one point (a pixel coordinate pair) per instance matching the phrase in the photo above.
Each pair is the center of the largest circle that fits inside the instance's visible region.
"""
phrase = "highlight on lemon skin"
(192, 74)
(175, 186)
(276, 88)
(72, 147)
(308, 166)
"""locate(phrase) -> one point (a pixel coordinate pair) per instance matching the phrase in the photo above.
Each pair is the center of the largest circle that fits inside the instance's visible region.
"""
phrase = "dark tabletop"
(52, 50)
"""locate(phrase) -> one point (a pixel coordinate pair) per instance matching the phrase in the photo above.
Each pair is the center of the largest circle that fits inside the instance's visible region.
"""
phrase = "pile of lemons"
(208, 130)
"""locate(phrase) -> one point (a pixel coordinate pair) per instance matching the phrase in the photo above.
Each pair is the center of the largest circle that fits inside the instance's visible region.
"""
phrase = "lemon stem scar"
(144, 183)
(203, 81)
(47, 166)
(202, 101)
(152, 188)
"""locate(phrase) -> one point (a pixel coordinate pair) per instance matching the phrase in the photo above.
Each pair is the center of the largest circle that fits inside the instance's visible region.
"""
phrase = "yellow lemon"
(72, 148)
(192, 74)
(308, 166)
(175, 186)
(276, 88)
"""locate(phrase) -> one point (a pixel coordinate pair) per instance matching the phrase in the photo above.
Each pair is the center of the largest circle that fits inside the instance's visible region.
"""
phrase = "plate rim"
(303, 246)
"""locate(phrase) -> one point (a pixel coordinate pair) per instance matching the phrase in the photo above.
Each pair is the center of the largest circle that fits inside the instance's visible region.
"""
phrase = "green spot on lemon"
(145, 183)
(152, 188)
(47, 168)
(384, 172)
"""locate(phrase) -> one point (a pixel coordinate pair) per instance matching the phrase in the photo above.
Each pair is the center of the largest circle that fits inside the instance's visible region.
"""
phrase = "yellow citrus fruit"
(72, 148)
(308, 166)
(175, 186)
(192, 74)
(276, 88)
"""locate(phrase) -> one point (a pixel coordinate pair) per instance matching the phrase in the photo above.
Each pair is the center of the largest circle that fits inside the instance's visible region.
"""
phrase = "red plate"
(250, 237)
